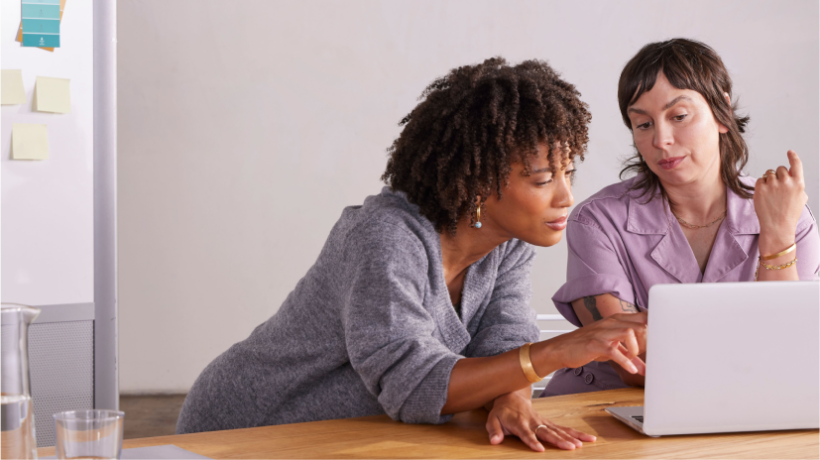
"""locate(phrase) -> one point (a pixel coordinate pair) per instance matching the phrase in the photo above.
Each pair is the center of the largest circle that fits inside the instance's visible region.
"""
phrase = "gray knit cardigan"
(369, 330)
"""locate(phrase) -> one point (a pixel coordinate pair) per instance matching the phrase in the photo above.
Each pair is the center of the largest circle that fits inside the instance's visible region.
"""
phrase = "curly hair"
(459, 142)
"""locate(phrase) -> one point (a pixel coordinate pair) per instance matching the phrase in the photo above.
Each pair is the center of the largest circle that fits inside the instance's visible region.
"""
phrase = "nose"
(663, 137)
(563, 195)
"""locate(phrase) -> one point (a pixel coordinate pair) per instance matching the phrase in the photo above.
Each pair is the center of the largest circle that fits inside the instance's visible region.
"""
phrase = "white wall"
(246, 127)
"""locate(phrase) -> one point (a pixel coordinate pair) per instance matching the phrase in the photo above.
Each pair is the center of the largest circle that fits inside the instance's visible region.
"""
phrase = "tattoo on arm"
(589, 302)
(627, 307)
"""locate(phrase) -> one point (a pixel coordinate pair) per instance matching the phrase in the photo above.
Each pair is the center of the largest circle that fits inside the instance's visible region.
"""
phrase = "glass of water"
(89, 434)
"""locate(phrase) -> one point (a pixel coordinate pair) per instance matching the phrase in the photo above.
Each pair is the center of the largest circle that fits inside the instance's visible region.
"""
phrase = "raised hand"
(779, 200)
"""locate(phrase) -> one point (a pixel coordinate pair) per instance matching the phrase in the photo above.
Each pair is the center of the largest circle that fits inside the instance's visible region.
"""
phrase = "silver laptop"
(724, 357)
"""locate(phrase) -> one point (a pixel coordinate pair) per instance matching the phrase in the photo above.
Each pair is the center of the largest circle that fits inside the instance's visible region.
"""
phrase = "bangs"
(686, 64)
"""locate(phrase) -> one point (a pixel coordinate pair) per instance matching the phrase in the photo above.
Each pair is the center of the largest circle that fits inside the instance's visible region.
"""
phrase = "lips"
(558, 224)
(670, 163)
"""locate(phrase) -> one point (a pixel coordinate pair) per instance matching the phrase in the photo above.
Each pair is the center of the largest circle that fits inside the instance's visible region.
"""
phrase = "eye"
(571, 175)
(680, 117)
(643, 126)
(547, 180)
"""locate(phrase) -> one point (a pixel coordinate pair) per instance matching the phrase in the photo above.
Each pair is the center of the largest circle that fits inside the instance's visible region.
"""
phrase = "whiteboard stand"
(106, 378)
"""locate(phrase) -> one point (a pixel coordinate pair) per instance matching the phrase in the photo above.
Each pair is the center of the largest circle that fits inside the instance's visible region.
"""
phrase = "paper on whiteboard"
(47, 48)
(12, 91)
(29, 142)
(41, 23)
(52, 95)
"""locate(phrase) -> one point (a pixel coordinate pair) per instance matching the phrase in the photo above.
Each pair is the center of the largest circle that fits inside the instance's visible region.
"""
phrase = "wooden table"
(465, 437)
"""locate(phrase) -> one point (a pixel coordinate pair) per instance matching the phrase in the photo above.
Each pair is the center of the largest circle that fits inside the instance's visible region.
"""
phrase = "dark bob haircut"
(459, 142)
(687, 64)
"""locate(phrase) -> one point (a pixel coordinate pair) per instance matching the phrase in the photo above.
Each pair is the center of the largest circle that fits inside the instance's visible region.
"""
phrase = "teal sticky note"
(41, 23)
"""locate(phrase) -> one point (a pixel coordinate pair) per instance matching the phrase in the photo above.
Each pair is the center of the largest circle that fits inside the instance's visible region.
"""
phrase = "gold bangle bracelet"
(526, 363)
(781, 253)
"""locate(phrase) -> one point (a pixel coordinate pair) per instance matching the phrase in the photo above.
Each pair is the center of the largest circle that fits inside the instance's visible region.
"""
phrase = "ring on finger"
(539, 427)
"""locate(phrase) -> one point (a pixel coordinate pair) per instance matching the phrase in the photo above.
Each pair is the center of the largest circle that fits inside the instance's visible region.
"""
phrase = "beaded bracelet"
(775, 267)
(779, 267)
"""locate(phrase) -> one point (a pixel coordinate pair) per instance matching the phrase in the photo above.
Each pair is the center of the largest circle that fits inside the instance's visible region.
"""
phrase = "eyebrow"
(547, 169)
(667, 106)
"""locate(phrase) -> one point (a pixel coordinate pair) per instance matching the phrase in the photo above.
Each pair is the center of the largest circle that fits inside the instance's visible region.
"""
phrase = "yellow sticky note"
(29, 142)
(12, 91)
(52, 95)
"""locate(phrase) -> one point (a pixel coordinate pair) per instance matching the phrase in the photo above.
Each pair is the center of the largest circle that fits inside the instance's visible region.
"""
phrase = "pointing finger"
(631, 344)
(615, 354)
(796, 166)
(638, 362)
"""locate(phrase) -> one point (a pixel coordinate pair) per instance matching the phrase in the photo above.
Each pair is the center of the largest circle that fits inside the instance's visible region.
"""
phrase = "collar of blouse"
(673, 253)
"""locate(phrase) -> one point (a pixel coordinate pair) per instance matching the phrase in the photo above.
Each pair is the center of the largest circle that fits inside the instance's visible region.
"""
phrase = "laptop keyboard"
(638, 418)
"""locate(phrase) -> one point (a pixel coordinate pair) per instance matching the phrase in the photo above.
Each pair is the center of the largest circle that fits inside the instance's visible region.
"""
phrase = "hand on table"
(513, 414)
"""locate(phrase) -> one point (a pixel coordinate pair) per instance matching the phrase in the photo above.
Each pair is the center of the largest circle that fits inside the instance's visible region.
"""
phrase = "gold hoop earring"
(477, 217)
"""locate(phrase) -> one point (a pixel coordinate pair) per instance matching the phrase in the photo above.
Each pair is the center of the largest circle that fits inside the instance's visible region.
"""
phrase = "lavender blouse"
(623, 245)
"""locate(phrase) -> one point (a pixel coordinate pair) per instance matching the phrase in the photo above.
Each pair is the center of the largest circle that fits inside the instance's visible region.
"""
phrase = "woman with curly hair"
(689, 215)
(418, 303)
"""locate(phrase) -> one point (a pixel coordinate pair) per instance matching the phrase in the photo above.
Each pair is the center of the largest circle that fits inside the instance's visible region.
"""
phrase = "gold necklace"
(693, 226)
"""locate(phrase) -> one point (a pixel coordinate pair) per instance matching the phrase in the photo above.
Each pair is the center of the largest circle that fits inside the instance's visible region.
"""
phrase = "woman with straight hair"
(689, 215)
(418, 305)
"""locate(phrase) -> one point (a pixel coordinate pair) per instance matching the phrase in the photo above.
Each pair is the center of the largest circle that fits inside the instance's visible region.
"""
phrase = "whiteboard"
(48, 206)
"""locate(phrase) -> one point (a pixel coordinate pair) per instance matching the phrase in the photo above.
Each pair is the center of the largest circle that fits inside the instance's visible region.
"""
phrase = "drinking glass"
(89, 434)
(17, 439)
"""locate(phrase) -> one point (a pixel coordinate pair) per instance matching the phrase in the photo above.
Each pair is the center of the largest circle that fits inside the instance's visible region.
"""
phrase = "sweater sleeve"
(388, 332)
(509, 321)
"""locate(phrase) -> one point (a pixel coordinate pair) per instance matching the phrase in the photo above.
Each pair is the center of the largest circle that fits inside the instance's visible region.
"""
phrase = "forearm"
(595, 308)
(476, 382)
